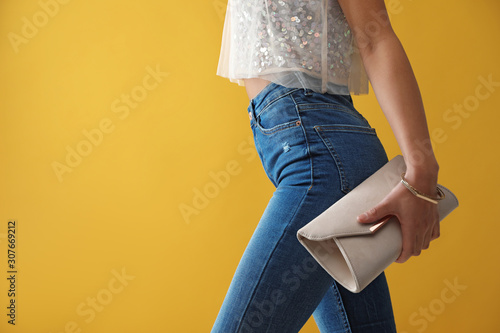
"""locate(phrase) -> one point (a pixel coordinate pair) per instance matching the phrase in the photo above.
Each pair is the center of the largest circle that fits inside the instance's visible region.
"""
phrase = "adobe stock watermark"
(291, 279)
(88, 309)
(122, 108)
(429, 313)
(460, 111)
(219, 180)
(31, 26)
(220, 8)
(455, 116)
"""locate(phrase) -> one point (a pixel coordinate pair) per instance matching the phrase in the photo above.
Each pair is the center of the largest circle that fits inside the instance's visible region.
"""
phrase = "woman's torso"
(295, 44)
(254, 86)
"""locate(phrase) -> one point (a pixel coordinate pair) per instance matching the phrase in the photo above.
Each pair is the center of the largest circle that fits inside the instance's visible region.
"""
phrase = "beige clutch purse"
(354, 253)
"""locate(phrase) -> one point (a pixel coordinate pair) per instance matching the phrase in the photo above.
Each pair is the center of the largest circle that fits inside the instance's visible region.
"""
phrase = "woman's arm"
(397, 92)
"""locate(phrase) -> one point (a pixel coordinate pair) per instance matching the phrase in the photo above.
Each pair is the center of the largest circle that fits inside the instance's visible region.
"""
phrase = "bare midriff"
(254, 86)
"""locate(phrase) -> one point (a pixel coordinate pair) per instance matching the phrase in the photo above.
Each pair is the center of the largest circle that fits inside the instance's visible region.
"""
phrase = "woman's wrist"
(423, 176)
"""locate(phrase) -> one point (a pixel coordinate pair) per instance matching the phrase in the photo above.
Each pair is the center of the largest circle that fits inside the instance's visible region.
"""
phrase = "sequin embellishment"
(289, 35)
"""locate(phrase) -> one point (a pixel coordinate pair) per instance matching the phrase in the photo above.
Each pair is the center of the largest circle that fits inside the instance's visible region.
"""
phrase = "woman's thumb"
(371, 215)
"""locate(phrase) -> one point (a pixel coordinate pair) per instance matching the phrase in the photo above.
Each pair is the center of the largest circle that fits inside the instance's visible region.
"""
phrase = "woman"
(300, 61)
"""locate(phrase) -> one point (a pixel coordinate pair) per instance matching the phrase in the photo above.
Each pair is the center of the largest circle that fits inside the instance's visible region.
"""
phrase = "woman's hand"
(419, 218)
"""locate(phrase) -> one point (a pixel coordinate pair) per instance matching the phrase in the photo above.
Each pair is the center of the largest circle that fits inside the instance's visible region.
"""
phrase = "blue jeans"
(314, 148)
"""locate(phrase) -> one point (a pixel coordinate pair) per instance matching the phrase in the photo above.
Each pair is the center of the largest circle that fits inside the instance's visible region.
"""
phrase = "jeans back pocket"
(356, 151)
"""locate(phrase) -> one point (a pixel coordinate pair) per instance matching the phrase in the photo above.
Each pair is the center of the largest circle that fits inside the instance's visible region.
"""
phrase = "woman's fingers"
(433, 231)
(418, 218)
(419, 224)
(409, 243)
(436, 231)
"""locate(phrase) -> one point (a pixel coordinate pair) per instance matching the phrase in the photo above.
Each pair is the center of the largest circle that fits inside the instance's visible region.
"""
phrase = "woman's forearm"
(397, 92)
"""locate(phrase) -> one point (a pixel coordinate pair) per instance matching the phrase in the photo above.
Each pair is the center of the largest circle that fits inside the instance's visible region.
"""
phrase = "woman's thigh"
(314, 148)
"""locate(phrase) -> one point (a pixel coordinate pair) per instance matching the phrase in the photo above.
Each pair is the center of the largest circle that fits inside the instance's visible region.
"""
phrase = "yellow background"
(118, 212)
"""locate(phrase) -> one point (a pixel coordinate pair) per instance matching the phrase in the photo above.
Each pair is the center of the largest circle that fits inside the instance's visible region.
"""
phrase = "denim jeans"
(314, 148)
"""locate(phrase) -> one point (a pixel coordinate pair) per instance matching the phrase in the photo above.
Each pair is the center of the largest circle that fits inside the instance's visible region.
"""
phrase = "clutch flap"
(339, 220)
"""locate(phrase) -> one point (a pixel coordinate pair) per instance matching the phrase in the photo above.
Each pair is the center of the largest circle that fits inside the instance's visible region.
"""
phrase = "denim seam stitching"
(267, 262)
(344, 185)
(307, 143)
(319, 106)
(264, 164)
(280, 127)
(341, 305)
(347, 128)
(274, 100)
(277, 128)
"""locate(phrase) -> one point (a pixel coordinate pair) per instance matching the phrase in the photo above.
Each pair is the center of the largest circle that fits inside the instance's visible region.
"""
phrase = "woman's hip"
(305, 138)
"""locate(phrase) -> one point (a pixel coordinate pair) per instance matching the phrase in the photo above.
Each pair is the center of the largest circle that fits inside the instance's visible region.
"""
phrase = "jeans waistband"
(270, 93)
(274, 91)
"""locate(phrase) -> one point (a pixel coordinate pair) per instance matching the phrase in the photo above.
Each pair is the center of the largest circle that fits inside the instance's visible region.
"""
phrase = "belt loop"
(251, 109)
(307, 92)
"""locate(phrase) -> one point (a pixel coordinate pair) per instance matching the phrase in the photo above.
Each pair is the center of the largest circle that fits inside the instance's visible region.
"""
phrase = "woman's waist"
(254, 86)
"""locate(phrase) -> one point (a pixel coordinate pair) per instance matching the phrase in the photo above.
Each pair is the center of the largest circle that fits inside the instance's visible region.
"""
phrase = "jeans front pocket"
(356, 151)
(279, 115)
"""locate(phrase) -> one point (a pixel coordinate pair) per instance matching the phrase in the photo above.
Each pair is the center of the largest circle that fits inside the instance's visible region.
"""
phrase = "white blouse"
(295, 43)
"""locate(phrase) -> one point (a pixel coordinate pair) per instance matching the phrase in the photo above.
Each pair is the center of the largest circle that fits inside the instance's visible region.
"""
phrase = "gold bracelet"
(420, 194)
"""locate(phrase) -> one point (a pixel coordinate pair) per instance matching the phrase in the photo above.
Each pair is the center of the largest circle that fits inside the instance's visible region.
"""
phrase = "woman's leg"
(277, 284)
(314, 148)
(368, 311)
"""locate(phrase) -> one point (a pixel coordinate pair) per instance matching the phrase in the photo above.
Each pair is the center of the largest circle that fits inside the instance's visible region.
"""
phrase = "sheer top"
(295, 43)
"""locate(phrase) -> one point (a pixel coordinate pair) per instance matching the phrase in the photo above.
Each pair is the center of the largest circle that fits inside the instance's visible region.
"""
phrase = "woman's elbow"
(385, 40)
